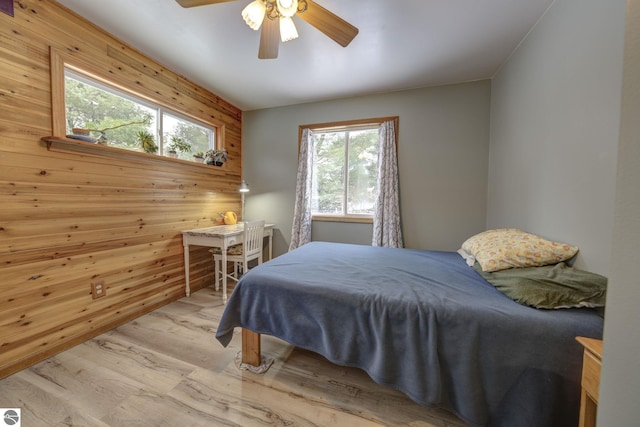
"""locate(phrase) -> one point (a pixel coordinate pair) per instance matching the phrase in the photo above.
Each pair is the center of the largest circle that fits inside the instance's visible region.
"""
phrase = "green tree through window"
(196, 136)
(345, 172)
(89, 107)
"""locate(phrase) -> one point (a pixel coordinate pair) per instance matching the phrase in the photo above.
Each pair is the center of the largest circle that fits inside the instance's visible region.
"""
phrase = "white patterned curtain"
(301, 229)
(386, 217)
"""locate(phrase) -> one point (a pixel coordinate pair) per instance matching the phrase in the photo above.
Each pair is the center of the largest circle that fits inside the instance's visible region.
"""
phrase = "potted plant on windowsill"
(84, 134)
(199, 156)
(215, 157)
(178, 144)
(147, 141)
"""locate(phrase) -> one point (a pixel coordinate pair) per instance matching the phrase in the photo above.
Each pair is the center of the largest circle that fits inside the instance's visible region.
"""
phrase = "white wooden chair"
(241, 254)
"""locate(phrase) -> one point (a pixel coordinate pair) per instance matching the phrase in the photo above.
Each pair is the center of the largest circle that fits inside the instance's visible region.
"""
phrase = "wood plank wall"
(69, 219)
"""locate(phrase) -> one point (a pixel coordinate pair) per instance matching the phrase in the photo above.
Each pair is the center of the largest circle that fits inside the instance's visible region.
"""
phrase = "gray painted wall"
(443, 146)
(620, 385)
(554, 129)
(557, 145)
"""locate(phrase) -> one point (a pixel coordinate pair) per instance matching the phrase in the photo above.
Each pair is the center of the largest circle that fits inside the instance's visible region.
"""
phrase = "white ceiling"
(402, 44)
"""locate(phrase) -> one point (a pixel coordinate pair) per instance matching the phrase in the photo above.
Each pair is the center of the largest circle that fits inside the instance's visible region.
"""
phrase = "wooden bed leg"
(250, 347)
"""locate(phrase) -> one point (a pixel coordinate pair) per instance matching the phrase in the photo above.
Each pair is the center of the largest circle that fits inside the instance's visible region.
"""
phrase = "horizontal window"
(98, 112)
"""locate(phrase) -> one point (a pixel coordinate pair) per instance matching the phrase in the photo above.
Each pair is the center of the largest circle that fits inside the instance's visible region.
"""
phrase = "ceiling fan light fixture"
(287, 29)
(287, 8)
(254, 13)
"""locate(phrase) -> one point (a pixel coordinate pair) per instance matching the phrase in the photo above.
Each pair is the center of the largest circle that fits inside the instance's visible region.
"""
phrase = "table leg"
(186, 268)
(216, 272)
(224, 273)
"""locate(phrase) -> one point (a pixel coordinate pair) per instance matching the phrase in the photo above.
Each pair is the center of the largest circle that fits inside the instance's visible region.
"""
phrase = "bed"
(424, 322)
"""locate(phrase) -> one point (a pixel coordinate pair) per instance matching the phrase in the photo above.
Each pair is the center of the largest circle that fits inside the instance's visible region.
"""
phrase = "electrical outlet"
(98, 289)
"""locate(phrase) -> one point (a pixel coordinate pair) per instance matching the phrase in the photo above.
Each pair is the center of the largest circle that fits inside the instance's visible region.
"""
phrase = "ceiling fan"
(275, 18)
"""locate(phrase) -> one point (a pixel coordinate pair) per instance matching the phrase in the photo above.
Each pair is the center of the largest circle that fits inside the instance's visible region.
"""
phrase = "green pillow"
(550, 286)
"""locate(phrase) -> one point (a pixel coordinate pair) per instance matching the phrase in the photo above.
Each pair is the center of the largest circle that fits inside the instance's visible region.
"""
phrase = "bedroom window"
(345, 171)
(340, 166)
(112, 108)
(95, 110)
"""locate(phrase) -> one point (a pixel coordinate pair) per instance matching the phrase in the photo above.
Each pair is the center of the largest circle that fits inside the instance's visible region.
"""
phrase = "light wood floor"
(167, 369)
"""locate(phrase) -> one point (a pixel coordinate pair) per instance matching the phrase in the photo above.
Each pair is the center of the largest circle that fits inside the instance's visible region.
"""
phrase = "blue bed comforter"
(425, 323)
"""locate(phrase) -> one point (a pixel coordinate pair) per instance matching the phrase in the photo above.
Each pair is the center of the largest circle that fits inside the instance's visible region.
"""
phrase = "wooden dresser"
(591, 363)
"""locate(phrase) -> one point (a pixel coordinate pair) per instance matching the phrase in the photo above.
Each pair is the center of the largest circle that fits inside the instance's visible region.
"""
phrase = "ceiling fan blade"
(193, 3)
(329, 23)
(269, 39)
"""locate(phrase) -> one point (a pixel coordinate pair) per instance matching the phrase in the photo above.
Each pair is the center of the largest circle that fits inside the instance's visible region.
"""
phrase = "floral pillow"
(505, 248)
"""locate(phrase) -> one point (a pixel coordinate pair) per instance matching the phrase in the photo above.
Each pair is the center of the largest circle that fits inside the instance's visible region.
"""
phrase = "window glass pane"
(345, 172)
(363, 171)
(111, 117)
(329, 177)
(185, 137)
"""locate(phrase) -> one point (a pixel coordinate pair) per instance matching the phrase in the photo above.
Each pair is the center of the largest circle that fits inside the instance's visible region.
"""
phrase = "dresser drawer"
(591, 375)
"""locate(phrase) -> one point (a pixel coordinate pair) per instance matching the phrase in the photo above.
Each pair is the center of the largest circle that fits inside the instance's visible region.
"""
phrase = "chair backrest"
(253, 239)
